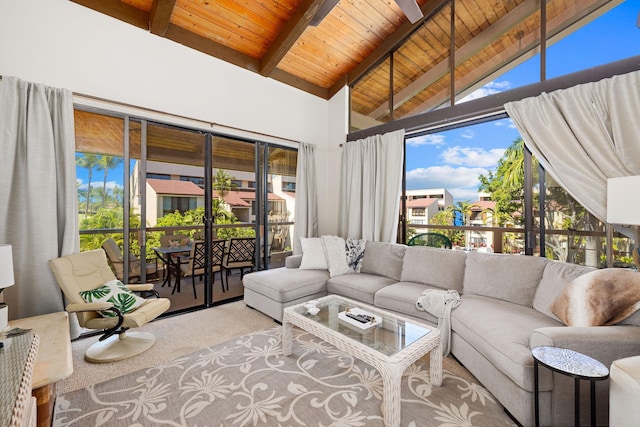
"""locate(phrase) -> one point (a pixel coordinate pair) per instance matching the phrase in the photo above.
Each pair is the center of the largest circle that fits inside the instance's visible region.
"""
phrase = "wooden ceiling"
(275, 39)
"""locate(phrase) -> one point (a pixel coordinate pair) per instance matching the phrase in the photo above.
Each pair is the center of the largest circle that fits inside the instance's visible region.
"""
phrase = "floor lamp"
(6, 280)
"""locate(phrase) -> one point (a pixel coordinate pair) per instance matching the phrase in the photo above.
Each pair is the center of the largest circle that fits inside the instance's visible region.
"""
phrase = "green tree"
(446, 217)
(88, 162)
(223, 183)
(106, 164)
(464, 208)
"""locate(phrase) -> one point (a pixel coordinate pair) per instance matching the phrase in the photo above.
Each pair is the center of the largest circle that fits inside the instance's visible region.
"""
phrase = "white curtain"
(371, 183)
(38, 214)
(584, 135)
(306, 215)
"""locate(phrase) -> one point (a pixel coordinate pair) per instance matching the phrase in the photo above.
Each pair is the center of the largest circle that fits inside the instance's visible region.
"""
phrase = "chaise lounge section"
(505, 312)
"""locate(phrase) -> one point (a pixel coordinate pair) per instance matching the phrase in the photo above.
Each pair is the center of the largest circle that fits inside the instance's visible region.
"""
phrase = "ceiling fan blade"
(411, 9)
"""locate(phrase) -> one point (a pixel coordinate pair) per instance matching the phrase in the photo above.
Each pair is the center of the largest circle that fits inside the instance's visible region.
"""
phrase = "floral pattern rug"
(248, 382)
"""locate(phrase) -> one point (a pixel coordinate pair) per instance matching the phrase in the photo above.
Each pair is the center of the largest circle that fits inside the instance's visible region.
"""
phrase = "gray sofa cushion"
(500, 331)
(286, 284)
(441, 268)
(401, 297)
(358, 286)
(507, 277)
(555, 277)
(383, 259)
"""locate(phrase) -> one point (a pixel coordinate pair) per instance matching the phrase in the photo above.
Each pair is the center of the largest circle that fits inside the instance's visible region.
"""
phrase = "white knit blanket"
(439, 303)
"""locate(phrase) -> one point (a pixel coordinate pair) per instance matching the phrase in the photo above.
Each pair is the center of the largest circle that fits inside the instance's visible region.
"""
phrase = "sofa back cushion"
(383, 259)
(555, 277)
(512, 278)
(442, 268)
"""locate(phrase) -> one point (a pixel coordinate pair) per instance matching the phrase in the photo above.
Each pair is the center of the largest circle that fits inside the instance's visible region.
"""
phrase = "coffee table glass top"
(391, 335)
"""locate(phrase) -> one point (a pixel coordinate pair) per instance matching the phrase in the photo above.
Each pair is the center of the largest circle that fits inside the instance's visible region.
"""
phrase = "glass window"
(370, 98)
(584, 34)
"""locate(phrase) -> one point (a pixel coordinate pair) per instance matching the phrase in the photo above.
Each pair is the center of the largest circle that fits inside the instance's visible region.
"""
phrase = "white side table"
(573, 364)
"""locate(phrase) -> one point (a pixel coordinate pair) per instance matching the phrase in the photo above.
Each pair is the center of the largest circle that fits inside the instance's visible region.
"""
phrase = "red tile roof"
(483, 204)
(172, 186)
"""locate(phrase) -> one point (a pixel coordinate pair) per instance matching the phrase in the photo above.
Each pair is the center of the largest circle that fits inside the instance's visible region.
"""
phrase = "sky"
(454, 159)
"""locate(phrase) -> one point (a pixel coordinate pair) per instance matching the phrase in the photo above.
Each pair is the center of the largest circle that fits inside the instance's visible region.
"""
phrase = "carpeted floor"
(192, 378)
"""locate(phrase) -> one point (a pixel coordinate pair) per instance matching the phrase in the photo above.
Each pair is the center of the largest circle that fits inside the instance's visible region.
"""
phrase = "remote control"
(359, 317)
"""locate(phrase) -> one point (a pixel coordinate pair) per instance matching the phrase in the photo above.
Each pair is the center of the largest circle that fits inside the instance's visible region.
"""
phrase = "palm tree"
(89, 162)
(223, 183)
(465, 209)
(105, 164)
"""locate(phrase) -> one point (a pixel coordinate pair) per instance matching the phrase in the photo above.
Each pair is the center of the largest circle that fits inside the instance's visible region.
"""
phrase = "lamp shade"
(6, 266)
(623, 203)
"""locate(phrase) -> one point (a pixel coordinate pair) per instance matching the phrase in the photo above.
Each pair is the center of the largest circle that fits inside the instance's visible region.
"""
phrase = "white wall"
(62, 44)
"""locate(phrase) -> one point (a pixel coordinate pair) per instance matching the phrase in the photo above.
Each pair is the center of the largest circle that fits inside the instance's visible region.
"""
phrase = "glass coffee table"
(385, 340)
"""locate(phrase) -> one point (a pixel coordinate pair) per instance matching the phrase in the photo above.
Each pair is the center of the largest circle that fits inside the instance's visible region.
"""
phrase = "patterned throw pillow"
(355, 253)
(116, 293)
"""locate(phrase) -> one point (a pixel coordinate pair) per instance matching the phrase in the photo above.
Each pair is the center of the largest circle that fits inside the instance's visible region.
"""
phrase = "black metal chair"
(241, 254)
(435, 240)
(217, 256)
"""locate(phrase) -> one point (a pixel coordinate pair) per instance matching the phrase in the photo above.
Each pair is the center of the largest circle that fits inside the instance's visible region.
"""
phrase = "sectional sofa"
(505, 311)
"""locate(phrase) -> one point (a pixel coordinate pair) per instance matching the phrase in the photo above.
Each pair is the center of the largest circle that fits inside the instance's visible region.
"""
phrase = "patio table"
(169, 255)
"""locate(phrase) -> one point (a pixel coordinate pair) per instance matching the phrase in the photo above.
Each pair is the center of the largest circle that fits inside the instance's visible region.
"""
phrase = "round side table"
(573, 364)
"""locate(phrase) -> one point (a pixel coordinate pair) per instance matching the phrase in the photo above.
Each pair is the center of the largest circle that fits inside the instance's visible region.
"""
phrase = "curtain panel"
(371, 185)
(306, 215)
(38, 206)
(584, 135)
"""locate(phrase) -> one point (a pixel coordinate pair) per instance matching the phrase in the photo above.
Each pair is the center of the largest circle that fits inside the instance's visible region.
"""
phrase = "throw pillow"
(313, 257)
(355, 253)
(116, 293)
(336, 252)
(601, 297)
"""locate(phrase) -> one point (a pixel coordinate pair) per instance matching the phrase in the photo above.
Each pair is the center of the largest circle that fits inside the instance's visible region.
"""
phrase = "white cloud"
(486, 90)
(98, 184)
(469, 156)
(432, 139)
(468, 134)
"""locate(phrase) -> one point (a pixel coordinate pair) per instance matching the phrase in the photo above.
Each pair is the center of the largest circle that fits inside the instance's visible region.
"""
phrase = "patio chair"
(435, 240)
(195, 264)
(171, 240)
(116, 260)
(241, 255)
(88, 271)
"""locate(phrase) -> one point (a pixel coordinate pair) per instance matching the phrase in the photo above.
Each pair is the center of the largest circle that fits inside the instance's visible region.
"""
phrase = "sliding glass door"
(182, 187)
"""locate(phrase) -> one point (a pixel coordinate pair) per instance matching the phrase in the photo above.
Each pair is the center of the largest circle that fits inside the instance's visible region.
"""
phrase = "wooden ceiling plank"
(119, 10)
(291, 32)
(160, 16)
(197, 25)
(390, 42)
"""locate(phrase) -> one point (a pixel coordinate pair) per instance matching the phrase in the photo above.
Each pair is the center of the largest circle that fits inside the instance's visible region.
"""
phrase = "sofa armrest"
(293, 261)
(603, 343)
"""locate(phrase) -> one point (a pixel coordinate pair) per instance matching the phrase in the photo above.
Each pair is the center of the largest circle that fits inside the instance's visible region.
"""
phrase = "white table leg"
(287, 339)
(392, 395)
(435, 365)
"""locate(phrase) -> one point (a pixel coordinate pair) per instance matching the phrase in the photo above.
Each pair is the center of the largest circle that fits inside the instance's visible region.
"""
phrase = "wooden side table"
(54, 361)
(573, 364)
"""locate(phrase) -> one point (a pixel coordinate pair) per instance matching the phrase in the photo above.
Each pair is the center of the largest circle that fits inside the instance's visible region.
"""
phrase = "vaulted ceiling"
(279, 38)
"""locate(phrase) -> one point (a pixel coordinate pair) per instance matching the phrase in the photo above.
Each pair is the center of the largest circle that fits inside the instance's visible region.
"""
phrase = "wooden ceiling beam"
(160, 16)
(299, 83)
(119, 10)
(291, 32)
(209, 47)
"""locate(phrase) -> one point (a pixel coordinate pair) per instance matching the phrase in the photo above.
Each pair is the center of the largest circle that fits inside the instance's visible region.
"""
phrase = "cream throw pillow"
(336, 253)
(601, 297)
(313, 257)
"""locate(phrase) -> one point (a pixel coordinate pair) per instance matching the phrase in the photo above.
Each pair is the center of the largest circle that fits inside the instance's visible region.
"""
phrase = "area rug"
(248, 382)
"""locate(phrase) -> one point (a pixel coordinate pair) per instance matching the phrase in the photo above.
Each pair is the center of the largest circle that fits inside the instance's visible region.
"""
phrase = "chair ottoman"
(624, 392)
(270, 291)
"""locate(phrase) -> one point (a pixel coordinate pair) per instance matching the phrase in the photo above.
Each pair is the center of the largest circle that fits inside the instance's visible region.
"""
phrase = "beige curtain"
(306, 215)
(38, 212)
(584, 135)
(371, 184)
